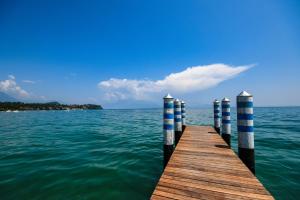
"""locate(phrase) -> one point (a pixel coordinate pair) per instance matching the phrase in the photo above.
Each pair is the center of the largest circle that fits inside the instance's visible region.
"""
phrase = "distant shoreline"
(204, 107)
(20, 106)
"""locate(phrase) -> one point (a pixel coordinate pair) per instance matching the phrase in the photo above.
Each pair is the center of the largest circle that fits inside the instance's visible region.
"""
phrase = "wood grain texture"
(204, 167)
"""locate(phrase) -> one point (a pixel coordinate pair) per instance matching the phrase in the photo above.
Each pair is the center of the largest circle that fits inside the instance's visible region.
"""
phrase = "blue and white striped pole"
(183, 115)
(217, 118)
(168, 128)
(226, 124)
(245, 129)
(178, 120)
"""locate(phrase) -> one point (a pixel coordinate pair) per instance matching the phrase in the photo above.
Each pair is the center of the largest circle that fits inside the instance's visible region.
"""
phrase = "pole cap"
(182, 102)
(216, 101)
(225, 99)
(244, 94)
(168, 96)
(177, 100)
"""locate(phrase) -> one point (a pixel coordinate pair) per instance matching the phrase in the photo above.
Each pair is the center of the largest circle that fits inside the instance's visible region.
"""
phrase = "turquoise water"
(117, 154)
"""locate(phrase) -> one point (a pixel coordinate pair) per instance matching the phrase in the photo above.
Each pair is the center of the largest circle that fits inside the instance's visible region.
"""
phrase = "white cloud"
(29, 81)
(10, 86)
(192, 79)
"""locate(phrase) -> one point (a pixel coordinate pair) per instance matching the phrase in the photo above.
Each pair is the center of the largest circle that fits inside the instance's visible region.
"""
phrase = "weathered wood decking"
(204, 167)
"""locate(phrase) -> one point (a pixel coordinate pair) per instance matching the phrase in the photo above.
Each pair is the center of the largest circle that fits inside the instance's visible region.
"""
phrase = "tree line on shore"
(5, 106)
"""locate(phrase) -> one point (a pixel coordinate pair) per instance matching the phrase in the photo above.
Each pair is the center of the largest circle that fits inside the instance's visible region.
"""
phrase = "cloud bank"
(10, 86)
(192, 79)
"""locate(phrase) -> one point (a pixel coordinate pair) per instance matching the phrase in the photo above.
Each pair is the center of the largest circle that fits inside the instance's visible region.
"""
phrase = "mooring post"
(226, 124)
(245, 129)
(183, 115)
(217, 121)
(168, 128)
(178, 120)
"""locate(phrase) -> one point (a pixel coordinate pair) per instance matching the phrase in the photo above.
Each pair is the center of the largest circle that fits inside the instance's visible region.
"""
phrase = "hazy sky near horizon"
(127, 54)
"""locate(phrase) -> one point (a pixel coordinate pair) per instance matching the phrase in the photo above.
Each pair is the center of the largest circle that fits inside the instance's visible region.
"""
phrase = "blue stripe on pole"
(217, 116)
(245, 116)
(177, 112)
(225, 121)
(216, 106)
(177, 106)
(168, 126)
(177, 119)
(169, 105)
(216, 111)
(168, 116)
(245, 128)
(225, 113)
(245, 104)
(225, 106)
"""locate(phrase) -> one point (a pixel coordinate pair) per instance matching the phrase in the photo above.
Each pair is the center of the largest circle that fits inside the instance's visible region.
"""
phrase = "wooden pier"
(204, 167)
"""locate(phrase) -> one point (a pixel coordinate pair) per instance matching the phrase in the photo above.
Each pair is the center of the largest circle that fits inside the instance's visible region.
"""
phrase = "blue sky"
(122, 53)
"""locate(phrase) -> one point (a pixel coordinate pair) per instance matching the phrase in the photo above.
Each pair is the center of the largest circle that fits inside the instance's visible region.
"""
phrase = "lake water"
(117, 154)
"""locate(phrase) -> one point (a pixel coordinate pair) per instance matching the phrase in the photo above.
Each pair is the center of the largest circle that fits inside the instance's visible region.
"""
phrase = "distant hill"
(6, 98)
(53, 103)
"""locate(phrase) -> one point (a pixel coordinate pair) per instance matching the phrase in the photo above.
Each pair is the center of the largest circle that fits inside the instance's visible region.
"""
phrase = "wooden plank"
(204, 167)
(214, 177)
(157, 197)
(213, 169)
(210, 180)
(219, 188)
(203, 193)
